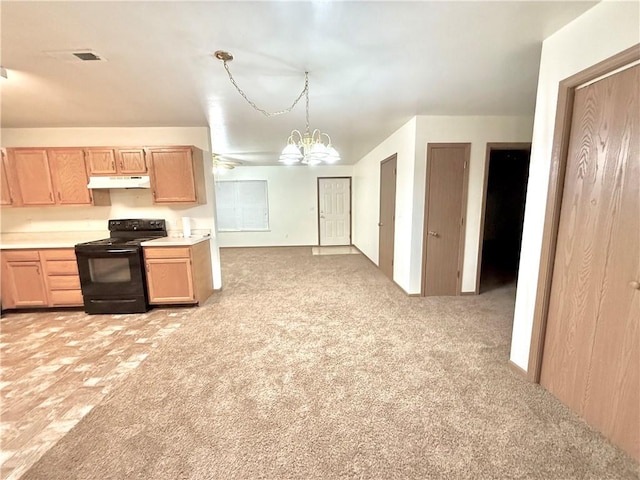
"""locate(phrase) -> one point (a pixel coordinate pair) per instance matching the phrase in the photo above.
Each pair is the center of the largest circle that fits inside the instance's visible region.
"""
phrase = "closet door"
(592, 347)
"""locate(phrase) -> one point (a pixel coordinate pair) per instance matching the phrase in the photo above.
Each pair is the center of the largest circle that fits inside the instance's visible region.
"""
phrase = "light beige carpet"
(318, 367)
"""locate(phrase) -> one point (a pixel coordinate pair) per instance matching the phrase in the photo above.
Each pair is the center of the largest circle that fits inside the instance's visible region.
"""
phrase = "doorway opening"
(507, 173)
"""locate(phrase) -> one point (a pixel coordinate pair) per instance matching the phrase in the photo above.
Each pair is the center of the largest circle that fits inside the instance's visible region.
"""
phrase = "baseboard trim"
(267, 246)
(394, 282)
(464, 294)
(515, 368)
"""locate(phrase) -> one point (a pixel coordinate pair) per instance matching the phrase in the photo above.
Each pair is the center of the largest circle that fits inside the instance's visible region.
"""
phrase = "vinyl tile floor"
(57, 366)
(335, 250)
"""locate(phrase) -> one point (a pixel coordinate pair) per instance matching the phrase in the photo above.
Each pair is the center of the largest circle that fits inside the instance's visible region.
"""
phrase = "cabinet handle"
(59, 196)
(113, 164)
(121, 164)
(51, 196)
(147, 267)
(154, 193)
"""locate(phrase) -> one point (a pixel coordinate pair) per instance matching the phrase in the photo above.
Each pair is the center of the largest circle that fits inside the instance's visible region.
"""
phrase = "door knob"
(379, 224)
(432, 233)
(635, 285)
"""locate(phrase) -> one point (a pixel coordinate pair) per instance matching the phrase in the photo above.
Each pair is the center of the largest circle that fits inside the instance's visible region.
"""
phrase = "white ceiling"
(373, 65)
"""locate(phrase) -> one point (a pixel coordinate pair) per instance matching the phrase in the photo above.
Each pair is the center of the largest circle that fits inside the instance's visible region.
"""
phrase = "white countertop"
(176, 241)
(70, 239)
(48, 239)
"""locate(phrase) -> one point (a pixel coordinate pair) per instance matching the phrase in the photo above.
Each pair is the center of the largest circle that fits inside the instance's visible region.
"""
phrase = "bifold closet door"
(591, 357)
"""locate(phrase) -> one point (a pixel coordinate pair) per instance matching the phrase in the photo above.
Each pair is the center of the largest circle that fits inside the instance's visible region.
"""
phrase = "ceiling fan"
(225, 162)
(228, 161)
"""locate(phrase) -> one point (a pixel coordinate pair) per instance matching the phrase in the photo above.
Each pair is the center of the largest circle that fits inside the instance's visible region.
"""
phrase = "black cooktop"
(129, 232)
(118, 241)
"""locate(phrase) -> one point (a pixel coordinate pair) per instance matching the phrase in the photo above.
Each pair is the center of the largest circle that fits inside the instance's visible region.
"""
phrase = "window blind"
(242, 205)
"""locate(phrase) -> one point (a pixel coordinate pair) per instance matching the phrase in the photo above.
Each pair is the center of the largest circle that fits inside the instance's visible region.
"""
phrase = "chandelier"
(308, 147)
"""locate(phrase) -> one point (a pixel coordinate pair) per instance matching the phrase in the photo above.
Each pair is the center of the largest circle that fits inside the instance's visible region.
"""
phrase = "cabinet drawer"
(21, 255)
(61, 267)
(167, 252)
(66, 297)
(64, 282)
(58, 254)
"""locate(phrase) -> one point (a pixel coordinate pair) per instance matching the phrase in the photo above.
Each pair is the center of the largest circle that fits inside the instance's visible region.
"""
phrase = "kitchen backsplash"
(124, 204)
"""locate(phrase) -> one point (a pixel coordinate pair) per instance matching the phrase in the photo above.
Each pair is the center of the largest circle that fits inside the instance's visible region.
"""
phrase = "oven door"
(111, 272)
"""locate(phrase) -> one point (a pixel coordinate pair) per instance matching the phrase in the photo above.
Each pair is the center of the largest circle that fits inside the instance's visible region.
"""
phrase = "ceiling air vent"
(86, 56)
(81, 55)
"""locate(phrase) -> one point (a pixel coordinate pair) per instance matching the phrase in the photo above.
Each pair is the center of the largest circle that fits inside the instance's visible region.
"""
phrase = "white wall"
(478, 131)
(601, 32)
(293, 204)
(410, 144)
(366, 200)
(124, 203)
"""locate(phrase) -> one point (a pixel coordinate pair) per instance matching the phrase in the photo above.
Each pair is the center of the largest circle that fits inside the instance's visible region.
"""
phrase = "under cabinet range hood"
(119, 182)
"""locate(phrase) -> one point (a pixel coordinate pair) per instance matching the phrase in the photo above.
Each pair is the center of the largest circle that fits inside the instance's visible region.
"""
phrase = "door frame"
(560, 148)
(523, 146)
(350, 207)
(463, 229)
(393, 225)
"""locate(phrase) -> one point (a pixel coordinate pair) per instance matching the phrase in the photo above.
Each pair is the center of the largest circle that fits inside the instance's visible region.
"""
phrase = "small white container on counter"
(186, 227)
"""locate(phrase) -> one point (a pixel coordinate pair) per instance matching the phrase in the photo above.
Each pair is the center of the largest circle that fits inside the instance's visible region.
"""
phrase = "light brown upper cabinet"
(50, 176)
(177, 175)
(116, 161)
(69, 176)
(31, 176)
(5, 192)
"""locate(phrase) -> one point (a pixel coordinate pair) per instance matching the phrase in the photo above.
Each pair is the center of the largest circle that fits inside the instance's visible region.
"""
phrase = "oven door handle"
(101, 253)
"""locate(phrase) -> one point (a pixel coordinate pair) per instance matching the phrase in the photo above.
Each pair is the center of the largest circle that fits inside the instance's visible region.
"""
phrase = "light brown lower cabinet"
(22, 280)
(61, 277)
(179, 275)
(40, 278)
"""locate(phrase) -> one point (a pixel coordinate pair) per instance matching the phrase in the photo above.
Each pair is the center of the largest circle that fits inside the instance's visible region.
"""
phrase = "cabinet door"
(70, 177)
(101, 161)
(5, 193)
(170, 280)
(24, 284)
(30, 168)
(172, 175)
(131, 161)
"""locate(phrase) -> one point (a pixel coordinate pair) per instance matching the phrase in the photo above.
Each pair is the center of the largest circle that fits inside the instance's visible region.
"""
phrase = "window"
(242, 205)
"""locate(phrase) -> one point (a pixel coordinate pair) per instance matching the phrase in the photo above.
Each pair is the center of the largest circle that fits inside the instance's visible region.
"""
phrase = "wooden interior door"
(334, 211)
(445, 209)
(387, 223)
(591, 358)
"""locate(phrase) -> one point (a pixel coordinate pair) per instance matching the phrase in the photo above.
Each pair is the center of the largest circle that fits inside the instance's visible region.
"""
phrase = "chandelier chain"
(306, 87)
(304, 91)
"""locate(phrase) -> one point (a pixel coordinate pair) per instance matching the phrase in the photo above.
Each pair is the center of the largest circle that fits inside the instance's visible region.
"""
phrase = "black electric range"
(112, 274)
